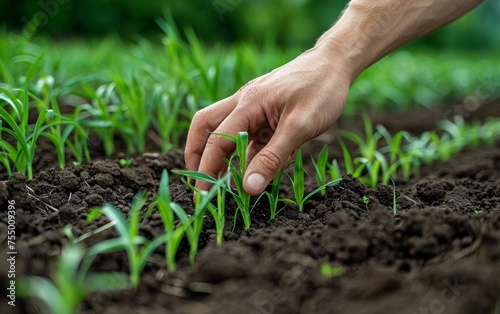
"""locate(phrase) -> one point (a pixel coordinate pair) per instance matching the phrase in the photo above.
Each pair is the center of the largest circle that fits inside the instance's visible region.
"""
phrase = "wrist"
(336, 49)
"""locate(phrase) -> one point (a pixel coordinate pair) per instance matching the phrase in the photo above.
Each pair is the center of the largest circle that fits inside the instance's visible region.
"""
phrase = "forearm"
(370, 29)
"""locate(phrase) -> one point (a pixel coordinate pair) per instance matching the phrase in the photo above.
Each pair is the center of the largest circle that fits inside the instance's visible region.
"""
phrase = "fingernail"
(256, 183)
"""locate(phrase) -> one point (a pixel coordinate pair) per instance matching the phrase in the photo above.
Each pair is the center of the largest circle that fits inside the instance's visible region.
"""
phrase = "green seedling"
(273, 196)
(366, 200)
(105, 116)
(193, 225)
(171, 120)
(334, 170)
(329, 271)
(393, 143)
(70, 284)
(202, 203)
(137, 106)
(298, 184)
(21, 154)
(368, 145)
(320, 167)
(241, 197)
(173, 233)
(350, 162)
(59, 134)
(137, 247)
(125, 162)
(219, 212)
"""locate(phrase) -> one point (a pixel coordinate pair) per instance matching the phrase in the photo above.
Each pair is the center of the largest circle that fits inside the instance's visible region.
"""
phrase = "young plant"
(193, 225)
(219, 212)
(170, 121)
(334, 170)
(137, 106)
(104, 115)
(70, 284)
(22, 154)
(366, 200)
(320, 167)
(173, 233)
(329, 271)
(137, 247)
(273, 196)
(368, 145)
(349, 161)
(241, 197)
(298, 183)
(60, 136)
(202, 203)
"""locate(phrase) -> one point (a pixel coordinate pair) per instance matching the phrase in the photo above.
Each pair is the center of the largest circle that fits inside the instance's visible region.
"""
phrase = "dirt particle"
(103, 166)
(432, 192)
(94, 200)
(105, 180)
(461, 200)
(68, 181)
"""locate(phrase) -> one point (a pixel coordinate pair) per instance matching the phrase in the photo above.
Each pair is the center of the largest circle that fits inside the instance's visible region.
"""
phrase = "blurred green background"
(286, 22)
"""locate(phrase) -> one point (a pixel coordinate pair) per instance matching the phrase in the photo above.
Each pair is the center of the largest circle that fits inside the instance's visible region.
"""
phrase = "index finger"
(204, 122)
(218, 147)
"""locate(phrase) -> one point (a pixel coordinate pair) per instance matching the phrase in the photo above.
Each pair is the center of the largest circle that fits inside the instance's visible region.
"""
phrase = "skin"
(300, 100)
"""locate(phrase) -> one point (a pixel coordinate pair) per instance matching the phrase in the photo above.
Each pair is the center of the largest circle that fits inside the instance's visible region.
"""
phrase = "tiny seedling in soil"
(70, 284)
(218, 212)
(298, 183)
(137, 247)
(329, 271)
(320, 167)
(125, 162)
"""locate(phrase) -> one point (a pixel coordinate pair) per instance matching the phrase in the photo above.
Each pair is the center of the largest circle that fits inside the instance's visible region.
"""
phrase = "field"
(396, 209)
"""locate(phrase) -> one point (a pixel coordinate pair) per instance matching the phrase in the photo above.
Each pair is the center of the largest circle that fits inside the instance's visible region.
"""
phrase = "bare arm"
(300, 100)
(370, 29)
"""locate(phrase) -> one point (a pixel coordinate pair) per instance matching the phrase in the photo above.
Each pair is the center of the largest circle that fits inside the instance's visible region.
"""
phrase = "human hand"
(280, 111)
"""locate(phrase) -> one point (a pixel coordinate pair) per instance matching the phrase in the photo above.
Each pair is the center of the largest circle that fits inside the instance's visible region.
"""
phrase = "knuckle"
(198, 117)
(219, 143)
(269, 161)
(213, 139)
(250, 92)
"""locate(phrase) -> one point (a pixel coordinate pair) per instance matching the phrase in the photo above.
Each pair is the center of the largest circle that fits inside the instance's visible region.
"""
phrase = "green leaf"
(199, 176)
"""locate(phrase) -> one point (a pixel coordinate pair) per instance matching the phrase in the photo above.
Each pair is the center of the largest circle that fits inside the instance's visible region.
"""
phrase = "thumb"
(267, 162)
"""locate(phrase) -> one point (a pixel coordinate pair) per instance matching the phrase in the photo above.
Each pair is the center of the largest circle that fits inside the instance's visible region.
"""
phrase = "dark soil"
(439, 254)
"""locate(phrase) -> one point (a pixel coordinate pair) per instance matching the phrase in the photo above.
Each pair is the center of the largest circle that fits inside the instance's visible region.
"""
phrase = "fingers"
(204, 122)
(218, 148)
(270, 159)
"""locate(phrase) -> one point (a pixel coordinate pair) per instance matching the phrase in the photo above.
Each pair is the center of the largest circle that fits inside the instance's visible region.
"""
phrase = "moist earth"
(439, 254)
